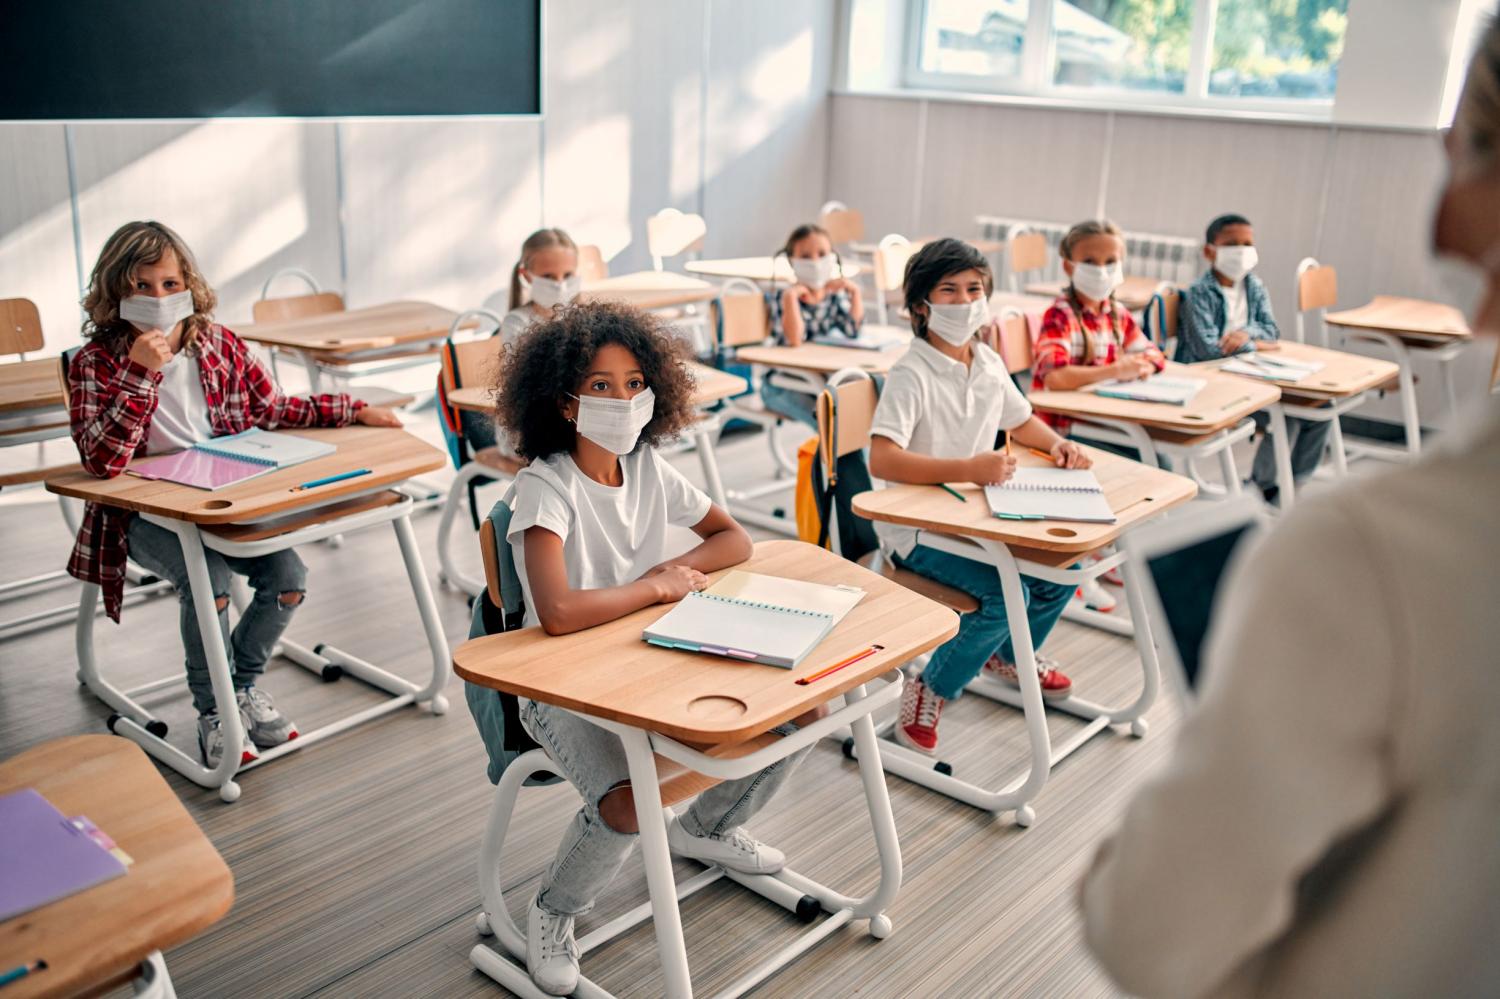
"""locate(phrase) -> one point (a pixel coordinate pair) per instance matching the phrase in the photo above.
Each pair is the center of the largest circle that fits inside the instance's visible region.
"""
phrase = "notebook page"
(795, 594)
(1172, 391)
(198, 469)
(264, 447)
(722, 627)
(43, 857)
(1051, 494)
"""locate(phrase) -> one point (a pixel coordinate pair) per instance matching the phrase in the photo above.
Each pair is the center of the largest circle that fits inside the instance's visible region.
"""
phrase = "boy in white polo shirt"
(938, 420)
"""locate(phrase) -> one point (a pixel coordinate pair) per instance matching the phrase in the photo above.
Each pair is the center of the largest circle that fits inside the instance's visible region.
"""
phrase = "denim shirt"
(1204, 315)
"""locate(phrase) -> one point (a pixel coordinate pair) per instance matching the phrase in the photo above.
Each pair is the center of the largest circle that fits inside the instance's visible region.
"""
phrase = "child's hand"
(1131, 368)
(1233, 341)
(1067, 454)
(377, 416)
(839, 284)
(991, 468)
(802, 293)
(673, 582)
(1268, 345)
(150, 350)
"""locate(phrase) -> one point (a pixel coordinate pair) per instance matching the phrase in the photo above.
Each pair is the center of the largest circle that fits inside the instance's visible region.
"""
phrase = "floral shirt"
(831, 315)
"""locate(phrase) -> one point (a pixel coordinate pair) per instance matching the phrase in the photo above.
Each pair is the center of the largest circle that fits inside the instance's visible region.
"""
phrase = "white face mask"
(1234, 262)
(147, 313)
(815, 272)
(615, 424)
(549, 294)
(957, 323)
(1097, 282)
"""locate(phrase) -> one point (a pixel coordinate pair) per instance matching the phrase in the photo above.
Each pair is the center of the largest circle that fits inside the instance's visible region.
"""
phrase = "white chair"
(670, 233)
(889, 273)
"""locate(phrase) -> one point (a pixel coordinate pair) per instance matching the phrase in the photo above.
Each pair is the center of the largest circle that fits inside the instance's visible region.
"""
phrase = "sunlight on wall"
(588, 184)
(36, 262)
(773, 88)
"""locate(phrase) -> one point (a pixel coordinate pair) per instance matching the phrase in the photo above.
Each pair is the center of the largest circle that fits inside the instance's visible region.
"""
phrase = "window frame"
(1035, 80)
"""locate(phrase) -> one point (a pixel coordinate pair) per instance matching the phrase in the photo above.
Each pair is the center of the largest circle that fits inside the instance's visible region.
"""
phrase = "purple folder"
(44, 857)
(198, 469)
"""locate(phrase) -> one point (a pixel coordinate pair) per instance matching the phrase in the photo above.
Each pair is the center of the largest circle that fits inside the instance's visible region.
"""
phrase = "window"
(1122, 44)
(982, 38)
(1278, 48)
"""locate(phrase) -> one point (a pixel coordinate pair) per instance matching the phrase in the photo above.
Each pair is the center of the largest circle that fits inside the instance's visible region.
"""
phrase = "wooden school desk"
(114, 932)
(667, 706)
(1407, 327)
(1208, 425)
(712, 386)
(257, 517)
(32, 404)
(398, 331)
(762, 270)
(649, 290)
(1135, 293)
(1043, 549)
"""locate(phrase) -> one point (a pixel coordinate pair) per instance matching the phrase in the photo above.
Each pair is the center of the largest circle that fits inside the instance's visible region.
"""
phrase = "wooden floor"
(354, 861)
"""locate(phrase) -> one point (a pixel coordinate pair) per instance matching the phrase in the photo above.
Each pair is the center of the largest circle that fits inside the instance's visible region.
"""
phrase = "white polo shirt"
(936, 406)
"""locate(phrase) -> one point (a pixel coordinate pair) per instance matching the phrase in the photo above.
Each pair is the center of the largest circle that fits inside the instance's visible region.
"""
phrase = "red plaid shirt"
(111, 399)
(1061, 343)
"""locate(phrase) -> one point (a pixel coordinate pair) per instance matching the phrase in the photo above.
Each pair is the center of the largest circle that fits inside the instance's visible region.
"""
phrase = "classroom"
(803, 498)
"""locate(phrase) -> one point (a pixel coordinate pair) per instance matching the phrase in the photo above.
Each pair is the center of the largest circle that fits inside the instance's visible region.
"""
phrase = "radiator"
(1167, 258)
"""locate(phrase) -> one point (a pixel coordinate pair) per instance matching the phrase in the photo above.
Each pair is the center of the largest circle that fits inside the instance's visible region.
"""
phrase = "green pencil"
(953, 492)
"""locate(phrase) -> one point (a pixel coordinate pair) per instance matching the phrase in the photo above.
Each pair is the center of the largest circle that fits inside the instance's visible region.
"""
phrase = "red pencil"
(820, 674)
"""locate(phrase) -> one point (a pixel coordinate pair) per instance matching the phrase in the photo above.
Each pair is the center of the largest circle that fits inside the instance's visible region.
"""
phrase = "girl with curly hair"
(587, 396)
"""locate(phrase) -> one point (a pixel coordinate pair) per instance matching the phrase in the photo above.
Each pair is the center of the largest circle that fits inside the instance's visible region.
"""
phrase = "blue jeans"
(259, 628)
(1306, 439)
(799, 406)
(986, 631)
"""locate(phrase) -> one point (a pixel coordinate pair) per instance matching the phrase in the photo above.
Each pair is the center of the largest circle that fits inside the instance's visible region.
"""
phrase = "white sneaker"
(735, 849)
(1096, 597)
(551, 952)
(211, 743)
(264, 723)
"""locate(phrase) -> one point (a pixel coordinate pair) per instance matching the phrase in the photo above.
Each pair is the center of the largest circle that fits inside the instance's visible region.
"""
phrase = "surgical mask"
(815, 272)
(147, 313)
(1234, 262)
(549, 294)
(1097, 282)
(957, 323)
(615, 424)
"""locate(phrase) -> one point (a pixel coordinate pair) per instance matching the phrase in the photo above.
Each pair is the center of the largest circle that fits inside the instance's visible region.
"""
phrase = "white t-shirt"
(181, 416)
(936, 406)
(611, 534)
(516, 322)
(1236, 306)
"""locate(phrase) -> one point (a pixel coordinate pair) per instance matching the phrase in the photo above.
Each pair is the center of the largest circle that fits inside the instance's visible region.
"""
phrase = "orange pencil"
(1040, 454)
(820, 674)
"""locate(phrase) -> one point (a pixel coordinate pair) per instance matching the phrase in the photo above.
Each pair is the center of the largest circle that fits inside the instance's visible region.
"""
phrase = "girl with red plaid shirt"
(158, 375)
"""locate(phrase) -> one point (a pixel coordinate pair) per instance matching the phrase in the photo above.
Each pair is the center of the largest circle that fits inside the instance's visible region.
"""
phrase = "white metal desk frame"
(792, 891)
(137, 723)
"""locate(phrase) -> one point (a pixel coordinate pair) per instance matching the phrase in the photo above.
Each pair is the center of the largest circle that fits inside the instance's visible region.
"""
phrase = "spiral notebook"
(1272, 368)
(1051, 494)
(226, 461)
(1171, 391)
(755, 618)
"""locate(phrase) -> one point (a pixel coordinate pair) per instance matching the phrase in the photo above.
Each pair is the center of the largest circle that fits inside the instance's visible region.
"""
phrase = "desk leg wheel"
(482, 923)
(229, 793)
(336, 541)
(808, 908)
(849, 748)
(779, 513)
(943, 767)
(438, 705)
(157, 727)
(331, 672)
(1139, 728)
(880, 926)
(1025, 816)
(111, 721)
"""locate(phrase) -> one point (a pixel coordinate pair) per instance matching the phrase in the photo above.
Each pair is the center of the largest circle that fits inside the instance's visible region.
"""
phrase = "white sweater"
(1330, 822)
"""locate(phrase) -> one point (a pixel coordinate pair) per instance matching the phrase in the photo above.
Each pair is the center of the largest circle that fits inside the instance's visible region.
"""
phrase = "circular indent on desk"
(1062, 532)
(1192, 416)
(717, 707)
(217, 504)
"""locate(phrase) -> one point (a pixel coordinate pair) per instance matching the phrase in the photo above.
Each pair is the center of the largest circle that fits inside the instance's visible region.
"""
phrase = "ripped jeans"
(593, 760)
(276, 578)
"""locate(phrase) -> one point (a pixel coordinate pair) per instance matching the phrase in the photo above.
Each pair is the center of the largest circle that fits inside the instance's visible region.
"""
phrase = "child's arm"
(856, 299)
(1064, 453)
(1198, 332)
(109, 410)
(1058, 370)
(1262, 325)
(1136, 344)
(793, 329)
(563, 610)
(724, 543)
(894, 463)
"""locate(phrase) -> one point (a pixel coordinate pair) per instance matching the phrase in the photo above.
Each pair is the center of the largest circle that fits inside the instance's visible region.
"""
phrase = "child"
(821, 303)
(937, 421)
(1227, 311)
(1088, 337)
(588, 395)
(548, 269)
(157, 375)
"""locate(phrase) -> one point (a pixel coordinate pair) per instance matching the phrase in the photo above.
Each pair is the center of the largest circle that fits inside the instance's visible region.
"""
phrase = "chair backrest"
(742, 318)
(1014, 346)
(271, 310)
(846, 411)
(670, 232)
(1317, 289)
(1025, 252)
(1160, 316)
(464, 362)
(20, 326)
(591, 263)
(844, 225)
(66, 357)
(501, 581)
(890, 261)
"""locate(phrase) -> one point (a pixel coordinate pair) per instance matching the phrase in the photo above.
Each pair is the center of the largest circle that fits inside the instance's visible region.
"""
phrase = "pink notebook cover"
(198, 469)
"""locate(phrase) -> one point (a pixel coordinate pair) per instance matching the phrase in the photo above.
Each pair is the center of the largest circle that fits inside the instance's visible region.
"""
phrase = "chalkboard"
(73, 59)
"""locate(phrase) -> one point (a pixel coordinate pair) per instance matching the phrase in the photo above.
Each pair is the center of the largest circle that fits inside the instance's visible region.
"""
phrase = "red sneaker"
(920, 711)
(1055, 683)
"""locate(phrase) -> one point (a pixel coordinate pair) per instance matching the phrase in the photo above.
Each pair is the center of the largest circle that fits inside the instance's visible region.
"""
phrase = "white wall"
(712, 106)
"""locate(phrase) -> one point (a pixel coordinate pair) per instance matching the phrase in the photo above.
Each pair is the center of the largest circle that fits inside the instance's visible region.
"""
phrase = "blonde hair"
(1076, 235)
(1477, 119)
(113, 278)
(542, 239)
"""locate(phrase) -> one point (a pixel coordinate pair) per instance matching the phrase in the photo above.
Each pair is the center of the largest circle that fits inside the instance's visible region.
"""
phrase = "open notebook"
(871, 337)
(1051, 494)
(1273, 368)
(1158, 388)
(763, 619)
(226, 461)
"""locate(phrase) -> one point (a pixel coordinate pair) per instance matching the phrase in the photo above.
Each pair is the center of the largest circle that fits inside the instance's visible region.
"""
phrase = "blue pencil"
(332, 478)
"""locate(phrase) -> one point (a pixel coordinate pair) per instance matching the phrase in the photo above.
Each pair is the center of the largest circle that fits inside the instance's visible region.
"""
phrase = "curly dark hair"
(552, 358)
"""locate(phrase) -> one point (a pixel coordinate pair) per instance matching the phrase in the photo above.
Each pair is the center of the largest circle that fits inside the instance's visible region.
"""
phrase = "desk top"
(1344, 374)
(35, 384)
(761, 269)
(177, 887)
(1135, 293)
(1225, 400)
(611, 672)
(713, 385)
(649, 289)
(392, 456)
(1405, 317)
(820, 359)
(1136, 492)
(357, 329)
